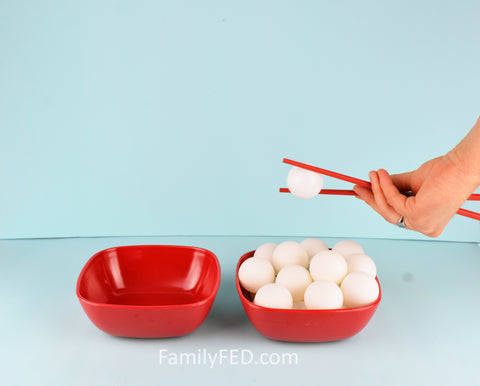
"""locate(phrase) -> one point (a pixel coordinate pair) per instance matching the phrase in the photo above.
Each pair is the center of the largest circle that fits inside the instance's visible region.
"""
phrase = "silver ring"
(401, 223)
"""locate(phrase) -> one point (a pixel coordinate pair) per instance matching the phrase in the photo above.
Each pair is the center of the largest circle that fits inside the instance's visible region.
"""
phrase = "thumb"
(403, 181)
(392, 194)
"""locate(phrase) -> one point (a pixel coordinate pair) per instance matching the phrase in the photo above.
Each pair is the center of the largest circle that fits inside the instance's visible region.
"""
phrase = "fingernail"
(383, 171)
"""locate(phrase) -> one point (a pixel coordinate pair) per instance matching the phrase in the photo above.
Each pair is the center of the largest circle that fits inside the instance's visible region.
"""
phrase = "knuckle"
(435, 231)
(432, 233)
(429, 229)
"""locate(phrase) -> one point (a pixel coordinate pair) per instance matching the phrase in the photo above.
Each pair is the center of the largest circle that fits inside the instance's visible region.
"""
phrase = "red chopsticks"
(357, 181)
(336, 192)
(338, 176)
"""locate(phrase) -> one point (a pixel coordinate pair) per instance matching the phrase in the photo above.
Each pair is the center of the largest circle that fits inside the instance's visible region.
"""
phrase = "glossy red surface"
(304, 325)
(149, 291)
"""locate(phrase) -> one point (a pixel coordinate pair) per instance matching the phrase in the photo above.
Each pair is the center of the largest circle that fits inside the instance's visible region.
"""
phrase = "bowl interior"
(149, 275)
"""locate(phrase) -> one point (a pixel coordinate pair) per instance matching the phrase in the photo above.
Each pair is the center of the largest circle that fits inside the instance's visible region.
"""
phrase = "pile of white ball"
(309, 275)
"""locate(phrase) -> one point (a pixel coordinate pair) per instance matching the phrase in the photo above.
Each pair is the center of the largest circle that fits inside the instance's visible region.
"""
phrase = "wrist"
(466, 155)
(466, 165)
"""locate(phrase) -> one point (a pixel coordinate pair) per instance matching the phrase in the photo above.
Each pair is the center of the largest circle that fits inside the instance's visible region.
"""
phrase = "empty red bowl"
(149, 291)
(304, 325)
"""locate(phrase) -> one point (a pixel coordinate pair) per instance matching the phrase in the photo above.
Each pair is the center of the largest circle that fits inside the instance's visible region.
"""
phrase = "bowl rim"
(254, 306)
(207, 299)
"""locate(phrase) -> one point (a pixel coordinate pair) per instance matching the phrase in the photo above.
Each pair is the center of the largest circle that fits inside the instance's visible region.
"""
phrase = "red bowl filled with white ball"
(298, 324)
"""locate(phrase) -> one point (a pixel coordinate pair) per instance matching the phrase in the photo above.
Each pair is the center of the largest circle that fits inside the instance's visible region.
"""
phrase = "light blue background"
(151, 118)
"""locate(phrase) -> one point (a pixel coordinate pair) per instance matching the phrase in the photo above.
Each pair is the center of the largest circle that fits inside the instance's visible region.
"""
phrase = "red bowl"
(304, 325)
(149, 291)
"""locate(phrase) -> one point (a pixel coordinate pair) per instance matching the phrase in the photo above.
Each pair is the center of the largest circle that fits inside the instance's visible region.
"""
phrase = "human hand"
(440, 186)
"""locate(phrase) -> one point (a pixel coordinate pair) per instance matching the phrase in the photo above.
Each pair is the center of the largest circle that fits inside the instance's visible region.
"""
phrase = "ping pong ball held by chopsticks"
(305, 184)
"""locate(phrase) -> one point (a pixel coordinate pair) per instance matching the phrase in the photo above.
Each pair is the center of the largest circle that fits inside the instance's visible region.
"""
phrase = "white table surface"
(426, 330)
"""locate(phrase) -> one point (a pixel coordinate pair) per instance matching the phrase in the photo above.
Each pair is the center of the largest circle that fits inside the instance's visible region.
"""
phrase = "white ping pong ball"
(359, 262)
(313, 246)
(273, 295)
(289, 253)
(323, 295)
(359, 289)
(304, 183)
(348, 247)
(328, 265)
(265, 251)
(255, 273)
(296, 279)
